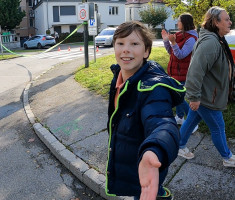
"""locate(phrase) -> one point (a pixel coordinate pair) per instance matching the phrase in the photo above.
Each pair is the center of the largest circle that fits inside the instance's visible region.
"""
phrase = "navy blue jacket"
(143, 120)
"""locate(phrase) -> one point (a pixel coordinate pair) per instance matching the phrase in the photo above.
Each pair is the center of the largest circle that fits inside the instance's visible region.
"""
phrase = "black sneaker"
(167, 196)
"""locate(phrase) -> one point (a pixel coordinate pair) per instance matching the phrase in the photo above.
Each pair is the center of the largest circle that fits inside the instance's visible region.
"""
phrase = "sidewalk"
(78, 137)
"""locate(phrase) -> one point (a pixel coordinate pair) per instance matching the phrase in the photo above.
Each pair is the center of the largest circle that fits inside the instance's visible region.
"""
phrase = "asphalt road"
(28, 171)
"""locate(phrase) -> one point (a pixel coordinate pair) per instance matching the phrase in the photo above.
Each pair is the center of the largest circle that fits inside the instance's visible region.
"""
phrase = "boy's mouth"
(127, 59)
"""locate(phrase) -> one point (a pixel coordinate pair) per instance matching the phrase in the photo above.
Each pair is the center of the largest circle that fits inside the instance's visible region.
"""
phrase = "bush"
(76, 37)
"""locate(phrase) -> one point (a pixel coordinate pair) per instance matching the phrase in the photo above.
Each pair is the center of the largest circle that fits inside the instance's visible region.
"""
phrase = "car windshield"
(107, 32)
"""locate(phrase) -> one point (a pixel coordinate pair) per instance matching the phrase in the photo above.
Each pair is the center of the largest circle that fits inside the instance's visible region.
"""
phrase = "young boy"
(143, 134)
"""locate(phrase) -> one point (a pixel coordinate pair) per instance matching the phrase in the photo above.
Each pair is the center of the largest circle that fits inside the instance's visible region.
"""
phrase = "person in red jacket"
(180, 46)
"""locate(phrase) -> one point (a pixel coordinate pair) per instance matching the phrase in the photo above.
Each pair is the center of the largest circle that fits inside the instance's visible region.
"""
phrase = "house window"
(30, 3)
(113, 10)
(67, 10)
(57, 29)
(72, 28)
(31, 22)
(56, 17)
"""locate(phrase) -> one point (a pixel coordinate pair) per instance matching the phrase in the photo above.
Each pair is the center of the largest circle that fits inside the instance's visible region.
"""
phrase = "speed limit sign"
(83, 12)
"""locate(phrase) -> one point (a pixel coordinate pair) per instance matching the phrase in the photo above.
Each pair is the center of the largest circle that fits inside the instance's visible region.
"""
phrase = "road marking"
(61, 55)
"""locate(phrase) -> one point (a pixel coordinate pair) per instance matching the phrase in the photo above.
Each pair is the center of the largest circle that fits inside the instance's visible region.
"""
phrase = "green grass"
(97, 78)
(5, 57)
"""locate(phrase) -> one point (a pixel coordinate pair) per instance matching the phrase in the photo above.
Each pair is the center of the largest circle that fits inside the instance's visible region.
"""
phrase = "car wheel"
(39, 46)
(25, 46)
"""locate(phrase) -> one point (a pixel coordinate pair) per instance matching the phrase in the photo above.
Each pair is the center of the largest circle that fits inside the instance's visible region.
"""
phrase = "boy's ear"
(146, 53)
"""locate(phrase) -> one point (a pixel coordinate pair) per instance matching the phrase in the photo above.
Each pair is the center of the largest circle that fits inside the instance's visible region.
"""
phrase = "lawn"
(5, 57)
(97, 78)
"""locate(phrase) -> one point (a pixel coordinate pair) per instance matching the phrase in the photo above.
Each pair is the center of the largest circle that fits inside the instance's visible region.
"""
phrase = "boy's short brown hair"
(127, 28)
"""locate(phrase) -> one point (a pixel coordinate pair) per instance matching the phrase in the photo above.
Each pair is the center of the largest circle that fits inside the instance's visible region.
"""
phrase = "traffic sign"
(92, 26)
(92, 22)
(83, 12)
(92, 30)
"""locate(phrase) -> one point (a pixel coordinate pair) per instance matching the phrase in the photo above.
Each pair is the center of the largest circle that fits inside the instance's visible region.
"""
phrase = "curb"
(87, 175)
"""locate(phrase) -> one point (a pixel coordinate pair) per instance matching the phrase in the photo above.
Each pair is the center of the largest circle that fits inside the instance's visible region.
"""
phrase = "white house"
(62, 15)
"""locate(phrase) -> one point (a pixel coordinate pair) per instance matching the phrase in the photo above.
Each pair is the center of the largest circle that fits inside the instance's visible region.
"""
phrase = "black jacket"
(143, 120)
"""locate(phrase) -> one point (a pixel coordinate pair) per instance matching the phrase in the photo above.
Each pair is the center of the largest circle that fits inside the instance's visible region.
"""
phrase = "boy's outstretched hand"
(149, 176)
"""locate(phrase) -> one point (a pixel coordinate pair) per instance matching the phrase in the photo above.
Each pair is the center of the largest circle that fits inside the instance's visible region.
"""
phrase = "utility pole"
(85, 33)
(86, 44)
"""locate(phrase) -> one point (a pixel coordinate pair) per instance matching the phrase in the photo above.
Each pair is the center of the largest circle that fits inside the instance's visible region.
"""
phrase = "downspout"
(47, 17)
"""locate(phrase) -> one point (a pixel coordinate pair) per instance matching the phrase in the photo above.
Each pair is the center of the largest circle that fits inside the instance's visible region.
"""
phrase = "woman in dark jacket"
(143, 134)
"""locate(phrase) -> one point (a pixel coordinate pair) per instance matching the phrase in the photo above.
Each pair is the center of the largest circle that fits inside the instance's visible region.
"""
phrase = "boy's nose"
(126, 48)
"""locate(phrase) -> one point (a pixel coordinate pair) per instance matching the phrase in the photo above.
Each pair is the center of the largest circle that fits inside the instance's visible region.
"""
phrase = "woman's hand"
(149, 176)
(194, 105)
(165, 35)
(172, 38)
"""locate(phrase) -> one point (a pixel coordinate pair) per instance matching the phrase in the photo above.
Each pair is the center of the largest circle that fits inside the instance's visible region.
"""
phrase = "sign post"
(92, 27)
(1, 40)
(83, 15)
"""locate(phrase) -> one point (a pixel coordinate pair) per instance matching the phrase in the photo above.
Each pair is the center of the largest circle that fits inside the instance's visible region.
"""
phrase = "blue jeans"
(214, 120)
(162, 176)
(183, 108)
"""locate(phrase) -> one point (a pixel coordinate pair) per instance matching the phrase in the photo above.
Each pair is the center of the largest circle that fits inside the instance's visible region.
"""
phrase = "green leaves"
(198, 8)
(153, 16)
(10, 14)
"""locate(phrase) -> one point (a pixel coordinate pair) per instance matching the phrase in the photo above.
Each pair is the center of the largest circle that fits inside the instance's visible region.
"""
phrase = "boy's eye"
(119, 43)
(135, 43)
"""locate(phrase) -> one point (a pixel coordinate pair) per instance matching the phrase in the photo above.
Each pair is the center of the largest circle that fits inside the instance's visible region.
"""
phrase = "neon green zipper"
(110, 134)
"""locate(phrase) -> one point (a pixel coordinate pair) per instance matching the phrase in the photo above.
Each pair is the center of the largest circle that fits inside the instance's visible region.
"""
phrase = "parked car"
(39, 41)
(105, 37)
(230, 37)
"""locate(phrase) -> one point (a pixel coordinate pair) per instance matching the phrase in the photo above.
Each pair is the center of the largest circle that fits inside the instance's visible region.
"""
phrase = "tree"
(153, 16)
(10, 14)
(198, 8)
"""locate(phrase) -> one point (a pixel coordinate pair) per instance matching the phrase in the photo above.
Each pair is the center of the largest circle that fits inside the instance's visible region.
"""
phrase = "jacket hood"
(192, 32)
(204, 34)
(157, 77)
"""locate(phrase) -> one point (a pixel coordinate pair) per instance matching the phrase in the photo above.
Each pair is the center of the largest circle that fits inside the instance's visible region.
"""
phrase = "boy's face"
(129, 53)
